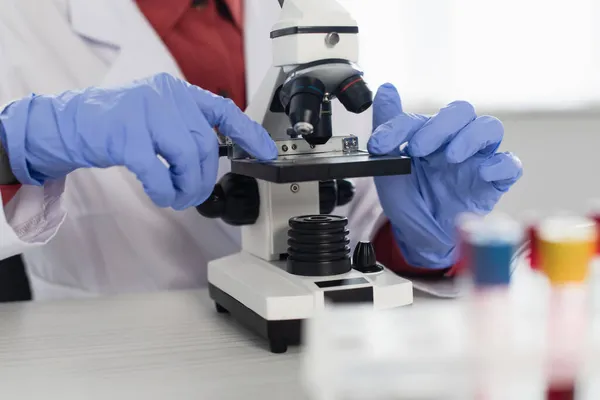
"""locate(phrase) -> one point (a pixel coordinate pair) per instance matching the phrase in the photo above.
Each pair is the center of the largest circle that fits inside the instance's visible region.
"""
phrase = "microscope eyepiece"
(301, 99)
(355, 95)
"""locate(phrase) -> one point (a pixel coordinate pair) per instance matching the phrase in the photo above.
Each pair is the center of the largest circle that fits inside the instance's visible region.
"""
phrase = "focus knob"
(364, 259)
(214, 206)
(334, 193)
(345, 192)
(234, 199)
(327, 196)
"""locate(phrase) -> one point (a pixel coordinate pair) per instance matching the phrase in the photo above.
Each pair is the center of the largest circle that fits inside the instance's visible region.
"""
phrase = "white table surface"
(150, 346)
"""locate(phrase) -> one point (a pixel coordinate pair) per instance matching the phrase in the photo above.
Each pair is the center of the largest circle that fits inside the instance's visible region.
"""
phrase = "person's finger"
(502, 170)
(207, 145)
(175, 143)
(139, 156)
(440, 128)
(206, 148)
(386, 105)
(391, 126)
(232, 122)
(483, 135)
(210, 168)
(389, 136)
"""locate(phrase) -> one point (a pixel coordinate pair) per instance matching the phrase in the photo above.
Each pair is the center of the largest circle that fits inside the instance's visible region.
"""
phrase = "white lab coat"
(98, 233)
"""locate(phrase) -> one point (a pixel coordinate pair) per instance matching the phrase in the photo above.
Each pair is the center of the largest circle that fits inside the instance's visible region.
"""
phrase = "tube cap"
(490, 244)
(566, 247)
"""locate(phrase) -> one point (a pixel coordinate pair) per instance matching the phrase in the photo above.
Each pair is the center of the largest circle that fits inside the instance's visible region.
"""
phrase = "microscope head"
(315, 51)
(315, 43)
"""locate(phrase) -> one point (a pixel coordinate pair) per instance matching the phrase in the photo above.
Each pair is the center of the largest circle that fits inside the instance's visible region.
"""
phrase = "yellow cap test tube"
(567, 246)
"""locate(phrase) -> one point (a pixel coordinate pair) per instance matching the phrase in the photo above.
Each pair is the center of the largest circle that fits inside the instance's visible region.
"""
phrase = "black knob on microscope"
(364, 259)
(345, 192)
(234, 199)
(334, 193)
(327, 196)
(214, 206)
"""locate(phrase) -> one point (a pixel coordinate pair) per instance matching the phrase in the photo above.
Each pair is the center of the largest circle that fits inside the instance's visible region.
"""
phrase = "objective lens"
(303, 128)
(302, 98)
(355, 95)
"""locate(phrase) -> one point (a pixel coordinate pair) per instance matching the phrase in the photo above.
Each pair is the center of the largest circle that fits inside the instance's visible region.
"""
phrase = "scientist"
(123, 221)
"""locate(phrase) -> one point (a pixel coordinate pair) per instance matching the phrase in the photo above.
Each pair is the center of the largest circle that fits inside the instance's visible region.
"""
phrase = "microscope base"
(272, 303)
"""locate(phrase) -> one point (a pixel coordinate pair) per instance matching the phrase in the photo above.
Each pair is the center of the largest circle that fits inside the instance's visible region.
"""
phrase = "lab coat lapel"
(120, 24)
(97, 21)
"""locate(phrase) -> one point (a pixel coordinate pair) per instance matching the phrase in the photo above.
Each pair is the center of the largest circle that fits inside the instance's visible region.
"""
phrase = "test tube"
(531, 220)
(567, 246)
(594, 214)
(491, 243)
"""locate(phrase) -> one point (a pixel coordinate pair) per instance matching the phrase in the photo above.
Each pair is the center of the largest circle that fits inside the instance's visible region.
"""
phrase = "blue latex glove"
(48, 137)
(455, 169)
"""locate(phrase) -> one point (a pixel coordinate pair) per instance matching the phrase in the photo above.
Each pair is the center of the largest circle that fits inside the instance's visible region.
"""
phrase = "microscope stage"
(271, 302)
(320, 167)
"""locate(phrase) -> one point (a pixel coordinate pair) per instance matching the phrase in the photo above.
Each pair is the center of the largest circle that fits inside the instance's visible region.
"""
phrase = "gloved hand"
(455, 169)
(47, 137)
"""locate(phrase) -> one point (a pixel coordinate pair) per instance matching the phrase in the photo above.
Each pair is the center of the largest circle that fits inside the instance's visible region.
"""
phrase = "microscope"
(295, 257)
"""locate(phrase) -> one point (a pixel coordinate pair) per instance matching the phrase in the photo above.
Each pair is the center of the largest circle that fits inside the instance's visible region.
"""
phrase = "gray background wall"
(559, 151)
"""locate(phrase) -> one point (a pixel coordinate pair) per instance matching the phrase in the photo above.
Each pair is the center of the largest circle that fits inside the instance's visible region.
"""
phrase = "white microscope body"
(315, 46)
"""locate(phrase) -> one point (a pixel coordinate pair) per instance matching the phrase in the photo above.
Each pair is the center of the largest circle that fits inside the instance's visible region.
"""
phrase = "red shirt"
(8, 192)
(206, 41)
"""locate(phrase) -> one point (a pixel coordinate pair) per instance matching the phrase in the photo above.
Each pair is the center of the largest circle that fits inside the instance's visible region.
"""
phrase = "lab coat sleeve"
(33, 215)
(31, 218)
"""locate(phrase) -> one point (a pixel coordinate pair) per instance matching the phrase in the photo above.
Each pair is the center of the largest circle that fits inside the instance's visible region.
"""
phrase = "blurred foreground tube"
(567, 246)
